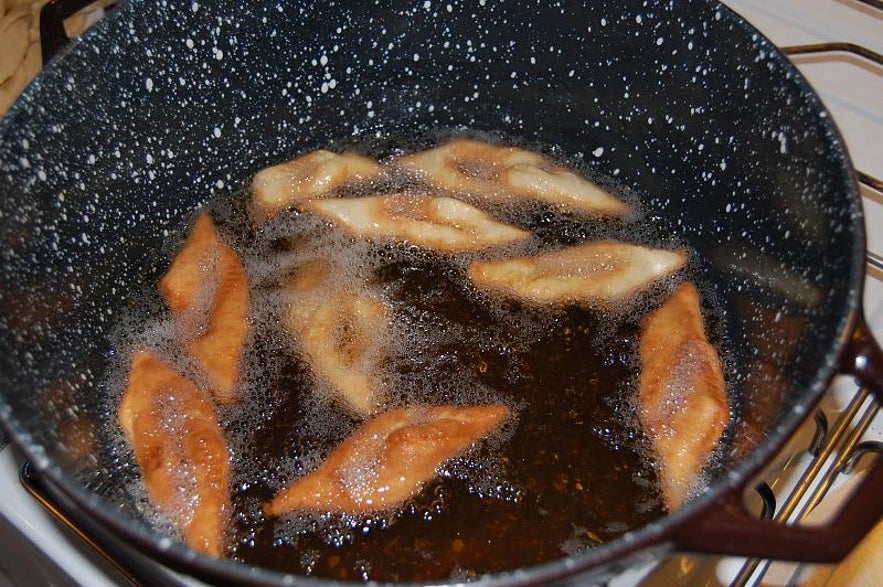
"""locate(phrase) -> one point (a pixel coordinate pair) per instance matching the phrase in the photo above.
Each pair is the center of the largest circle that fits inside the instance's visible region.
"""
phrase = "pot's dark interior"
(115, 145)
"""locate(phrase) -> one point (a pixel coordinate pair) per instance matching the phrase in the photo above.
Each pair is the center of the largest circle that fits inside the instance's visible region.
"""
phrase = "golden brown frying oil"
(567, 473)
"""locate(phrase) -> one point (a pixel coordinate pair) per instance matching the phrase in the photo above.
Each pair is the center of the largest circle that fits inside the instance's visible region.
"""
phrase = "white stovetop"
(850, 88)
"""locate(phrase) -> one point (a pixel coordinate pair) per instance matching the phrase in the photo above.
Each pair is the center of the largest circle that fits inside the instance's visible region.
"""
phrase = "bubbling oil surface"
(568, 471)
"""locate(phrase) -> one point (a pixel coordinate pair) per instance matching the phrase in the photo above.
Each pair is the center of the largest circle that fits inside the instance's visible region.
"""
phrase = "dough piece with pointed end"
(309, 176)
(388, 459)
(682, 401)
(206, 288)
(436, 223)
(180, 450)
(592, 273)
(344, 333)
(496, 173)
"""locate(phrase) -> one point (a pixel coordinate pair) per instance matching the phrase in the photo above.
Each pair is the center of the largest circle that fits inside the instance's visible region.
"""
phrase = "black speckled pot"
(162, 106)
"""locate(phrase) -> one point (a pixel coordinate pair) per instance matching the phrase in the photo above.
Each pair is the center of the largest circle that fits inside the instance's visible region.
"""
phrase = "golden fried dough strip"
(596, 272)
(207, 290)
(682, 401)
(498, 173)
(343, 332)
(388, 459)
(309, 176)
(180, 450)
(441, 224)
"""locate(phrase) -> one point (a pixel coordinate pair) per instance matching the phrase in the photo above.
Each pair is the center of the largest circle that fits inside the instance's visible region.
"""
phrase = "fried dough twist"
(436, 223)
(180, 450)
(682, 401)
(344, 333)
(592, 273)
(309, 176)
(496, 173)
(206, 289)
(388, 459)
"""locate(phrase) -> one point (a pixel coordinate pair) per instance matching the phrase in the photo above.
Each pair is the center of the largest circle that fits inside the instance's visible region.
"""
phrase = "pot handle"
(53, 37)
(727, 528)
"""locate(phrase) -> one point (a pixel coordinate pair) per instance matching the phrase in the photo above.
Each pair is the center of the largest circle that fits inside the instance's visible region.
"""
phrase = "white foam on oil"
(415, 344)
